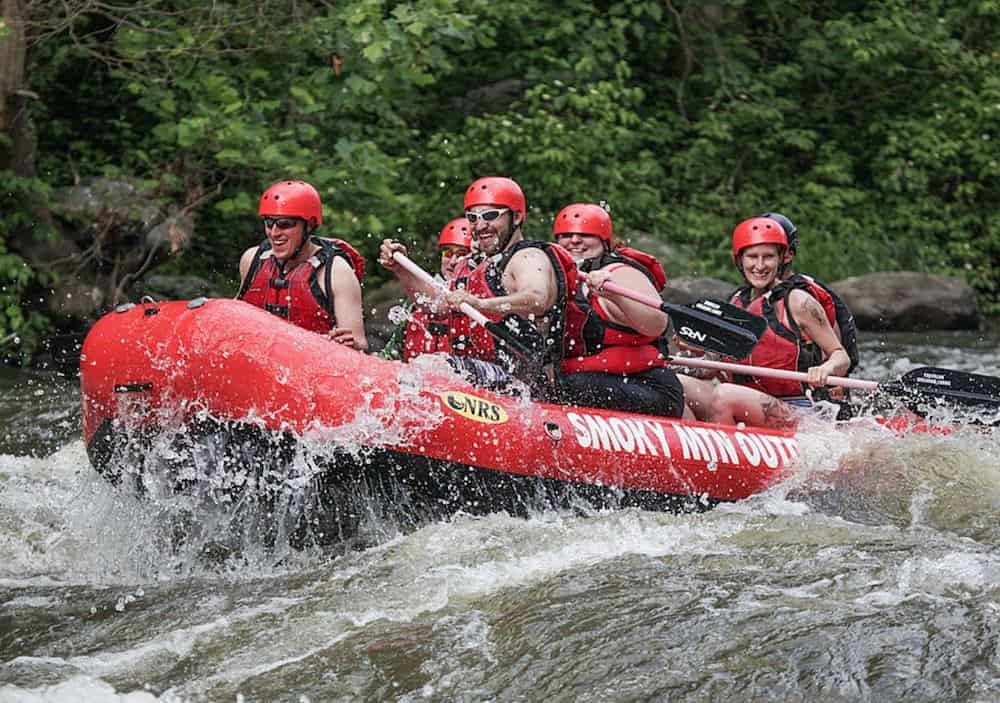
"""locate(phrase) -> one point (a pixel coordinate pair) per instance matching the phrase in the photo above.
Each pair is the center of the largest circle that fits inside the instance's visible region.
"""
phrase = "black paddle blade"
(956, 387)
(717, 327)
(733, 314)
(519, 337)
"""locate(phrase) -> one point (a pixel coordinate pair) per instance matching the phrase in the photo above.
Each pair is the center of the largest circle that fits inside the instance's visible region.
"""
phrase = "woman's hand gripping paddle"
(915, 388)
(732, 331)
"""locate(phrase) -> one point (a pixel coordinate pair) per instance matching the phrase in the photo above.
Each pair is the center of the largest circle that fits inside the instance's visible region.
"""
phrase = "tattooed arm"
(812, 320)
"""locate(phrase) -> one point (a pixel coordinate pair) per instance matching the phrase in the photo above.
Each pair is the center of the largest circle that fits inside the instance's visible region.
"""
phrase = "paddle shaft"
(654, 302)
(771, 373)
(431, 281)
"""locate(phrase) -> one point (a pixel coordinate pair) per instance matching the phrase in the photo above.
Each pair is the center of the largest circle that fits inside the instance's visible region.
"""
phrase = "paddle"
(919, 385)
(922, 384)
(957, 387)
(706, 324)
(502, 331)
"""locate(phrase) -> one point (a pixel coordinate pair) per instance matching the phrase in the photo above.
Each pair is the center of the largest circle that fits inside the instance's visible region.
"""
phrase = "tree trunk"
(19, 155)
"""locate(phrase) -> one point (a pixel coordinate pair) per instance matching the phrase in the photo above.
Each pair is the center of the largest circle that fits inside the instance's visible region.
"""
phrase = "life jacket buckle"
(279, 310)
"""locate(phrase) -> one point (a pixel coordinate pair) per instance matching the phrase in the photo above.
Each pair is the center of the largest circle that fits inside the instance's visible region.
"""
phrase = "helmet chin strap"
(786, 263)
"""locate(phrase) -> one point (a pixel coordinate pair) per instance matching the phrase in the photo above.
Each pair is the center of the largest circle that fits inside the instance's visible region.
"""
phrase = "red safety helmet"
(496, 190)
(292, 199)
(584, 218)
(456, 233)
(757, 230)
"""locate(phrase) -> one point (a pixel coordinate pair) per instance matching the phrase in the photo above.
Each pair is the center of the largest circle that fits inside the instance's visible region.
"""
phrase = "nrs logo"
(692, 334)
(474, 408)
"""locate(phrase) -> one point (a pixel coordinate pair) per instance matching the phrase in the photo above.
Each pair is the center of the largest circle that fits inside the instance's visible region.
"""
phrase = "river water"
(871, 575)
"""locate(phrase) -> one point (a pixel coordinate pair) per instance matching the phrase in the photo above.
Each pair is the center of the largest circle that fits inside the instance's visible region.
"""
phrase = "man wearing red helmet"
(616, 351)
(799, 336)
(525, 283)
(426, 332)
(310, 281)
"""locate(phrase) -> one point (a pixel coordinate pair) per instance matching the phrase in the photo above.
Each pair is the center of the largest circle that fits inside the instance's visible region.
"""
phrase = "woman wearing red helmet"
(837, 312)
(455, 247)
(312, 282)
(614, 356)
(616, 351)
(427, 332)
(799, 336)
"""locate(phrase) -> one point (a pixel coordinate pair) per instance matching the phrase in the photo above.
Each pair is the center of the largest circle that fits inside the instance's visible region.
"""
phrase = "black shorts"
(657, 391)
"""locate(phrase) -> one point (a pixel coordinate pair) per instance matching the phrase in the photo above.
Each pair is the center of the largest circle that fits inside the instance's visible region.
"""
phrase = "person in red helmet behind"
(799, 336)
(427, 333)
(525, 283)
(837, 312)
(310, 281)
(616, 348)
(455, 247)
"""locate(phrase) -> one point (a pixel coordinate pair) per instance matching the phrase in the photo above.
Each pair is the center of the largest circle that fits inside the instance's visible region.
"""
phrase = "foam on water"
(76, 689)
(869, 529)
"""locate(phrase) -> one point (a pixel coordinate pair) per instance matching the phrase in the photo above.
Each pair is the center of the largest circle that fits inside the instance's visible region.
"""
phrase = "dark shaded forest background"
(874, 125)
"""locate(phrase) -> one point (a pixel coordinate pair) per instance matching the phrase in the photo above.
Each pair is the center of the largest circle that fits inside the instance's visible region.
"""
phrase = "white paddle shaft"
(771, 373)
(430, 280)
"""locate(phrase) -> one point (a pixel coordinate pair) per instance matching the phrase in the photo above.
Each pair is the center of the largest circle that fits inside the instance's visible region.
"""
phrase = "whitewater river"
(872, 575)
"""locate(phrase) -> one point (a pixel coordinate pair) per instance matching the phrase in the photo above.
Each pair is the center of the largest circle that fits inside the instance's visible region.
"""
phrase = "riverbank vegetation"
(874, 125)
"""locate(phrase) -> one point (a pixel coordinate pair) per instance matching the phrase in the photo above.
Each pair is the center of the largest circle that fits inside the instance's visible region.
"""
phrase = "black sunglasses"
(281, 222)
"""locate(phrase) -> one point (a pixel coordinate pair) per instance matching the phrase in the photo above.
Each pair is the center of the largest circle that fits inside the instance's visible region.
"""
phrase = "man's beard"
(499, 241)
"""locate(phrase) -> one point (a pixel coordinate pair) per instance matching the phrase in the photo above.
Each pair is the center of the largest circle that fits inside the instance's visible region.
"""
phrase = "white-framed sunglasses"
(487, 215)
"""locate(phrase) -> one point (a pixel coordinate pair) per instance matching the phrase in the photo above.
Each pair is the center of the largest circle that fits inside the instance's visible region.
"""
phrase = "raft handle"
(553, 430)
(148, 300)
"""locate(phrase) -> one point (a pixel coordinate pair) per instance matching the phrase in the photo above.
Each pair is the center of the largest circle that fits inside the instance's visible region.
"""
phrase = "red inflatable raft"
(148, 364)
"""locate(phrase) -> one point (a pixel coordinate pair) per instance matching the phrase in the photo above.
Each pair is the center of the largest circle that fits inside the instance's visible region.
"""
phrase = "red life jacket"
(837, 313)
(486, 281)
(297, 295)
(784, 345)
(427, 334)
(593, 342)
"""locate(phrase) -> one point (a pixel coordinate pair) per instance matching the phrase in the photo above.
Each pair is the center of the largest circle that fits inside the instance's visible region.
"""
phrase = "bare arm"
(625, 311)
(531, 285)
(418, 291)
(812, 320)
(347, 305)
(245, 261)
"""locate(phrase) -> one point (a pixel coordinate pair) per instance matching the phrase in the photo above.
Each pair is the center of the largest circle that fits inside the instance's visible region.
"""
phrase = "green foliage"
(22, 326)
(873, 125)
